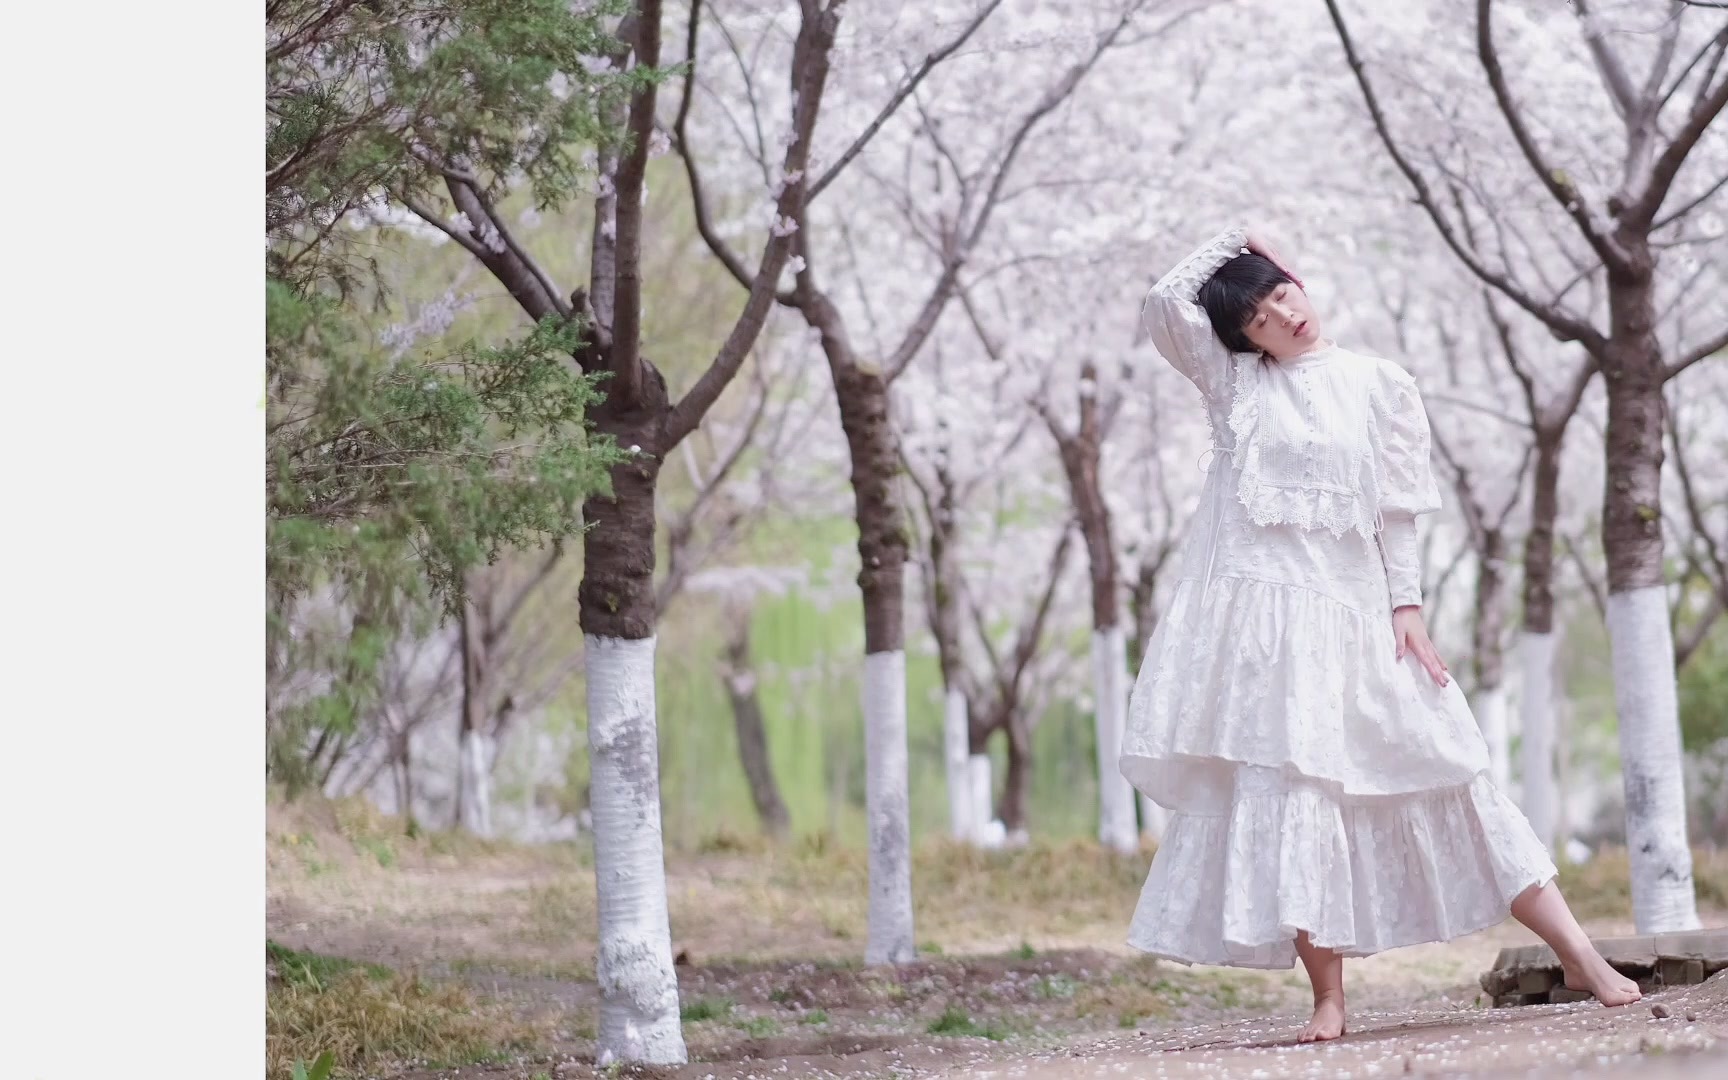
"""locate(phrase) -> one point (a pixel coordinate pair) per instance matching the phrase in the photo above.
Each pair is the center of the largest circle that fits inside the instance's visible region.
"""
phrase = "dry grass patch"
(1602, 887)
(367, 1017)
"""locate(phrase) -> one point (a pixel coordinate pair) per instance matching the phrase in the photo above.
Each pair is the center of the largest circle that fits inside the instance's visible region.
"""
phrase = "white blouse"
(1331, 439)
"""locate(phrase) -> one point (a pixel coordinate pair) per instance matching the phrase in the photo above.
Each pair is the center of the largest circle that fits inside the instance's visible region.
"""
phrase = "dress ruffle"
(1359, 875)
(1271, 674)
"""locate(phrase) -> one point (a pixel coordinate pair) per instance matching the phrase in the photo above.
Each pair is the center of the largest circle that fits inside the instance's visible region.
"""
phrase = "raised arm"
(1178, 325)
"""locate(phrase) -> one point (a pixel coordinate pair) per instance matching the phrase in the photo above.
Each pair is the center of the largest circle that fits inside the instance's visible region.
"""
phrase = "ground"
(480, 964)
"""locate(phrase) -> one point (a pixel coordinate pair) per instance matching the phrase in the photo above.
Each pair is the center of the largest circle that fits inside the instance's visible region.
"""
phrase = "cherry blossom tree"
(1620, 209)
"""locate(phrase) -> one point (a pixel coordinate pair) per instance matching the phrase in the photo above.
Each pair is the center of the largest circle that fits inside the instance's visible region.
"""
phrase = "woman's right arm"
(1178, 324)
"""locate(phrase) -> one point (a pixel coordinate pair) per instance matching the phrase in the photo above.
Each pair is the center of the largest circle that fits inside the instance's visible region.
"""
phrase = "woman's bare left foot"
(1328, 1021)
(1595, 976)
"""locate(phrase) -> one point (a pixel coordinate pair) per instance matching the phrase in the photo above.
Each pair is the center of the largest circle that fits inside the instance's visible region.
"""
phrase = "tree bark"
(1640, 637)
(1081, 452)
(1488, 660)
(1016, 786)
(739, 676)
(1541, 791)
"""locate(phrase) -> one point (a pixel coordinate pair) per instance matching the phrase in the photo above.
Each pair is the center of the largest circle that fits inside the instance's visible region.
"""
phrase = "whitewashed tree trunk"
(1116, 827)
(888, 804)
(1645, 699)
(956, 748)
(475, 757)
(639, 1018)
(983, 790)
(1490, 709)
(1541, 797)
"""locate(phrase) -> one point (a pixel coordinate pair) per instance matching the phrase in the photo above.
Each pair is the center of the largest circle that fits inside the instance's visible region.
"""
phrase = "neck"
(1323, 343)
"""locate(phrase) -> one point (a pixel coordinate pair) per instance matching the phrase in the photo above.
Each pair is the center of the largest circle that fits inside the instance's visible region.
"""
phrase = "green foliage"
(955, 1021)
(296, 968)
(705, 1009)
(364, 99)
(320, 1069)
(1704, 694)
(388, 478)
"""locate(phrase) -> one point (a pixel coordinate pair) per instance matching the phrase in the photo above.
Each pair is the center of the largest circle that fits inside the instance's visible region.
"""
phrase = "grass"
(705, 1009)
(1602, 887)
(955, 1021)
(366, 1016)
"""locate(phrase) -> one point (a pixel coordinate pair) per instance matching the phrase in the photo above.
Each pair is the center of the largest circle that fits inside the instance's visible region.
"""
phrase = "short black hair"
(1231, 296)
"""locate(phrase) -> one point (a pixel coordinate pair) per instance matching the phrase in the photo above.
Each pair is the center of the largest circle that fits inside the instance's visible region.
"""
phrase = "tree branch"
(1643, 210)
(1575, 205)
(624, 358)
(934, 304)
(907, 86)
(1707, 348)
(1564, 326)
(810, 61)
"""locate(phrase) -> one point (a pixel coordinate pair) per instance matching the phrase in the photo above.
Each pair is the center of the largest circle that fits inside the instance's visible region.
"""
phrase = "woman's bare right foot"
(1593, 975)
(1328, 1021)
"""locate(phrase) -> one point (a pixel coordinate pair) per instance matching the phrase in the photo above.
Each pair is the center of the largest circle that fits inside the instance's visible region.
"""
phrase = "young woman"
(1328, 786)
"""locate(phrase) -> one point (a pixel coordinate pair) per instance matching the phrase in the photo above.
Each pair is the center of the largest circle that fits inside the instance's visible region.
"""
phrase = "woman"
(1328, 785)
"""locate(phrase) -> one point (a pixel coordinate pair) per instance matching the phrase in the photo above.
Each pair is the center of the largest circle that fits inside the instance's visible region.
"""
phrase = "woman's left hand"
(1411, 635)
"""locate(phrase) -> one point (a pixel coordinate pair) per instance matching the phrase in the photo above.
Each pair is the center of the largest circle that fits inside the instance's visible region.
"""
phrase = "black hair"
(1231, 296)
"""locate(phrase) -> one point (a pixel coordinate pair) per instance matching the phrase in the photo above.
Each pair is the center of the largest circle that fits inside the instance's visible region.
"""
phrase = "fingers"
(1399, 638)
(1436, 667)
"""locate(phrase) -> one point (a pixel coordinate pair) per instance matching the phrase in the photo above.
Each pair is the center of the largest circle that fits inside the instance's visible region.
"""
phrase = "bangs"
(1232, 294)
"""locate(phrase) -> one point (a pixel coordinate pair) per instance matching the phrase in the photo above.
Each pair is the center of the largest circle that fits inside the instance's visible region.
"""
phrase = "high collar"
(1321, 352)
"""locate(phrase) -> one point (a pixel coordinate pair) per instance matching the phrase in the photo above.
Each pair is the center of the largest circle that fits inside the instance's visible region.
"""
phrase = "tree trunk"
(402, 770)
(982, 784)
(862, 394)
(739, 676)
(1082, 454)
(1016, 786)
(475, 745)
(1116, 825)
(943, 602)
(955, 737)
(476, 754)
(1639, 634)
(1488, 628)
(639, 1018)
(1541, 794)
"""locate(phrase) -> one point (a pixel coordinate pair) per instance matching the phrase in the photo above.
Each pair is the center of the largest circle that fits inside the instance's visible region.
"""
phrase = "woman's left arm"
(1403, 561)
(1405, 482)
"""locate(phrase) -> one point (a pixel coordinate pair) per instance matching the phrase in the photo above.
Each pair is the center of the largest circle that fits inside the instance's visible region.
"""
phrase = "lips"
(1302, 328)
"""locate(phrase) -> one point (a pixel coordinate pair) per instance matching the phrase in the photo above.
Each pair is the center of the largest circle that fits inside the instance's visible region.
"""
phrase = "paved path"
(1553, 1040)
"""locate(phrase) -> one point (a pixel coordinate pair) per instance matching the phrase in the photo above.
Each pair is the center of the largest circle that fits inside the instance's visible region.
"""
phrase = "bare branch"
(934, 304)
(810, 60)
(1690, 205)
(1591, 582)
(681, 141)
(624, 357)
(1643, 210)
(1563, 325)
(436, 220)
(1708, 348)
(907, 86)
(1620, 91)
(1575, 205)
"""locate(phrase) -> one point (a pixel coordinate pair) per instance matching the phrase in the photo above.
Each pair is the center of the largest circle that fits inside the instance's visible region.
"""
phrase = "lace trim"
(1338, 512)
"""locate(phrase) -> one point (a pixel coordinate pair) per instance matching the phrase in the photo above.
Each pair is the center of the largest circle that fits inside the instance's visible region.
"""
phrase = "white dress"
(1315, 782)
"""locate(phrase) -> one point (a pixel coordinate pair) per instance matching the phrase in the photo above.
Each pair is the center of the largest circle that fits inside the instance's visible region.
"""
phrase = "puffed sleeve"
(1178, 325)
(1404, 477)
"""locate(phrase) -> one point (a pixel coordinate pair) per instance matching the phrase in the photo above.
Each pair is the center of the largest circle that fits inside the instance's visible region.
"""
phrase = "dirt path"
(1022, 970)
(1692, 1040)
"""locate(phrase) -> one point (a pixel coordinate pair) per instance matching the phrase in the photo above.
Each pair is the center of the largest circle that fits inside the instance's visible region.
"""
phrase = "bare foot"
(1328, 1021)
(1594, 976)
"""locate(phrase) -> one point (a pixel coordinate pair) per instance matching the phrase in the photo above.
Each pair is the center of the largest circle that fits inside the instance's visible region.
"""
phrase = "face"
(1284, 324)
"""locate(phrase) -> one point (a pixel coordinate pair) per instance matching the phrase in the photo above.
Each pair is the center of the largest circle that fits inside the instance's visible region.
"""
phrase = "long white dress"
(1315, 782)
